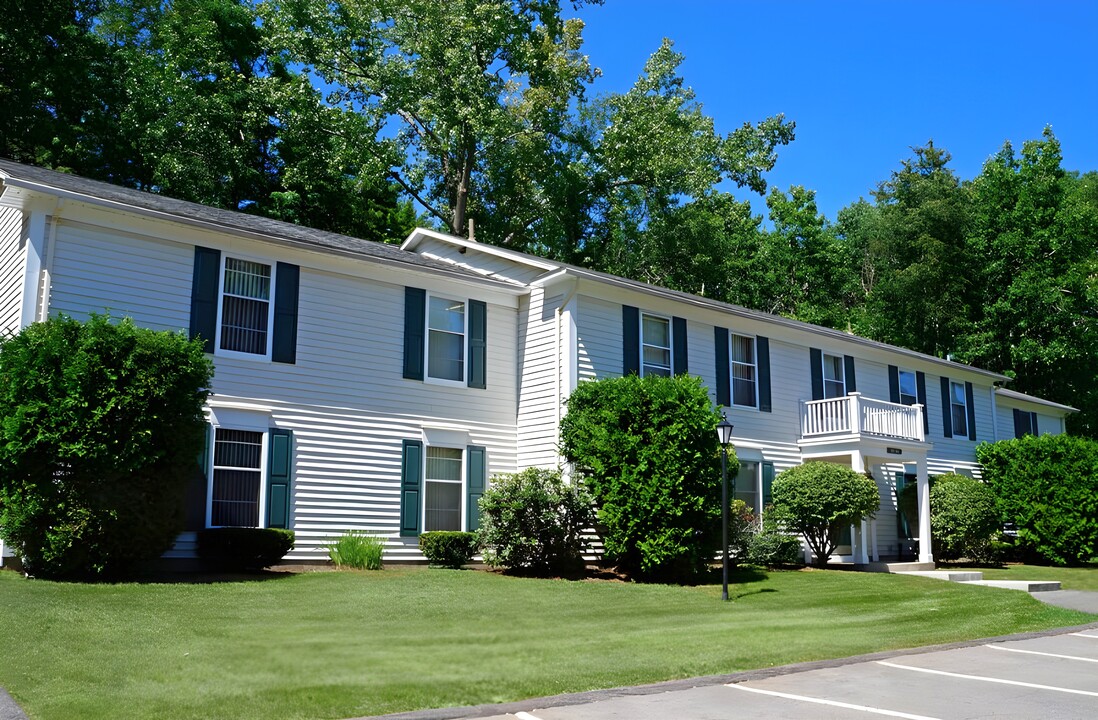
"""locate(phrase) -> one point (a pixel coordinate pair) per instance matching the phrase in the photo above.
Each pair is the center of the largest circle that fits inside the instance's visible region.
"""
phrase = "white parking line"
(1034, 652)
(526, 716)
(1085, 635)
(833, 703)
(990, 679)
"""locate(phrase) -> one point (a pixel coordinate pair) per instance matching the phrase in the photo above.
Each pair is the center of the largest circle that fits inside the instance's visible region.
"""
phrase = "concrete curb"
(479, 711)
(9, 709)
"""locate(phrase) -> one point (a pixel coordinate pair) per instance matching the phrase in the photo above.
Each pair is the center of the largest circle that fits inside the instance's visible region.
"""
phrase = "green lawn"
(335, 645)
(1074, 578)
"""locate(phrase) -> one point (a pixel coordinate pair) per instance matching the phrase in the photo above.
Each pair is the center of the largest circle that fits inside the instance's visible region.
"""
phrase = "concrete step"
(895, 567)
(950, 575)
(1030, 586)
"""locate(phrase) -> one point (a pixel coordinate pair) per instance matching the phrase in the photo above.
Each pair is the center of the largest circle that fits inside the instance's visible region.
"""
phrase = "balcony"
(855, 415)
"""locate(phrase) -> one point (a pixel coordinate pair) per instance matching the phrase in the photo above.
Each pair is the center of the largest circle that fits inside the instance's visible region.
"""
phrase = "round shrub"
(819, 499)
(646, 449)
(239, 548)
(102, 427)
(1048, 487)
(963, 518)
(534, 521)
(448, 548)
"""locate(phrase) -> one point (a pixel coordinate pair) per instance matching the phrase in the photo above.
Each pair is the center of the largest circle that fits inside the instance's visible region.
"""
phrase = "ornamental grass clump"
(358, 550)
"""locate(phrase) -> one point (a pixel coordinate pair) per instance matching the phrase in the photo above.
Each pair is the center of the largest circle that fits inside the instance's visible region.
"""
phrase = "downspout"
(47, 270)
(994, 415)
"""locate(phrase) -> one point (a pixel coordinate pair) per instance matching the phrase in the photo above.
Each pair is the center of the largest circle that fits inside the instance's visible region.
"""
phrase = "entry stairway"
(965, 577)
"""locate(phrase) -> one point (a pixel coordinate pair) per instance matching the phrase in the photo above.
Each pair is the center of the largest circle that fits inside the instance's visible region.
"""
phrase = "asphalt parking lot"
(1053, 676)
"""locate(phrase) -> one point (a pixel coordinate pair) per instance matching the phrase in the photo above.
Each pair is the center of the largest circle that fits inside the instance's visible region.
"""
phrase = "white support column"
(923, 486)
(873, 540)
(857, 463)
(32, 269)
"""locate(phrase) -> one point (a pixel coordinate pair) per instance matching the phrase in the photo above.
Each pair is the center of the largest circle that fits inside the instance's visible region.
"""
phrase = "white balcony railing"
(855, 414)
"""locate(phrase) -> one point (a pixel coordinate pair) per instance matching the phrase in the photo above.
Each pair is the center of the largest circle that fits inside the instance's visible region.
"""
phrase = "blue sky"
(866, 81)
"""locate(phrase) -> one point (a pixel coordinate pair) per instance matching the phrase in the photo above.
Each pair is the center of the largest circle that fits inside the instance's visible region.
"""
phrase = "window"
(443, 491)
(446, 339)
(245, 316)
(747, 486)
(237, 478)
(959, 411)
(833, 376)
(655, 346)
(744, 386)
(909, 393)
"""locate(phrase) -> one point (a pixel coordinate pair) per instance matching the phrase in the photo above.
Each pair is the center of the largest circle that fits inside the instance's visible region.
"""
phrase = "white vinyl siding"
(13, 253)
(655, 345)
(538, 382)
(446, 333)
(744, 371)
(246, 310)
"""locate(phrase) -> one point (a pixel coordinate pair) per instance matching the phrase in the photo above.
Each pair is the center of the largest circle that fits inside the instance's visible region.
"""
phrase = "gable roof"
(1022, 397)
(35, 179)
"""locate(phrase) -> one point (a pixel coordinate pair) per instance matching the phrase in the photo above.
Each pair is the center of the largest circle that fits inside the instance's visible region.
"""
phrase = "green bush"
(534, 521)
(819, 499)
(741, 528)
(102, 427)
(646, 449)
(239, 548)
(771, 547)
(357, 550)
(448, 548)
(1048, 487)
(963, 518)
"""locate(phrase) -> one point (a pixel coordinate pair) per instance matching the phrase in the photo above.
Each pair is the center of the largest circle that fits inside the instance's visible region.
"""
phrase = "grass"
(357, 550)
(337, 645)
(1071, 578)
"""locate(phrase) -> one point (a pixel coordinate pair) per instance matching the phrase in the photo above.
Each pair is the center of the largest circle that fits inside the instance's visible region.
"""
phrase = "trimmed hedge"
(963, 518)
(237, 548)
(1048, 487)
(448, 548)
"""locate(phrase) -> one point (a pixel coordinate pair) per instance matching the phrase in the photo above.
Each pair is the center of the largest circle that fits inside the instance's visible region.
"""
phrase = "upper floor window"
(959, 409)
(834, 376)
(246, 307)
(655, 345)
(446, 339)
(744, 385)
(909, 392)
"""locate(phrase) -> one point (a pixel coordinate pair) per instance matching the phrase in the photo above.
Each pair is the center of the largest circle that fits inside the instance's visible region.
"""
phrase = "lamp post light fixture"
(724, 437)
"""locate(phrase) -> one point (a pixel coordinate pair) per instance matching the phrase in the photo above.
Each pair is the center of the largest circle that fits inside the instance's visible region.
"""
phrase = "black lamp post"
(724, 437)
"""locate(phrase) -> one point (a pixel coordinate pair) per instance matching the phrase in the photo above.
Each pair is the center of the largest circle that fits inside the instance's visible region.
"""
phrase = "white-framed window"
(655, 345)
(443, 489)
(745, 386)
(748, 481)
(958, 409)
(245, 315)
(909, 390)
(236, 478)
(447, 328)
(834, 376)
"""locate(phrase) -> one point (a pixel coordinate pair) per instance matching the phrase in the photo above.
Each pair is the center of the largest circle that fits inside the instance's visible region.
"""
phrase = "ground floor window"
(747, 486)
(443, 489)
(237, 478)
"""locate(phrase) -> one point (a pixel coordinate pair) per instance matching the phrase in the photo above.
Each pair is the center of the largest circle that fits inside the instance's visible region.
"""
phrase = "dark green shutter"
(768, 482)
(478, 344)
(630, 340)
(1022, 423)
(678, 345)
(1033, 424)
(920, 388)
(411, 475)
(284, 347)
(279, 465)
(204, 288)
(762, 355)
(720, 347)
(893, 384)
(970, 405)
(851, 383)
(198, 487)
(476, 478)
(947, 409)
(815, 359)
(415, 317)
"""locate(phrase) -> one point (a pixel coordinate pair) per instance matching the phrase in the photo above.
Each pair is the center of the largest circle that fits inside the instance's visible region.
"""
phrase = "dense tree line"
(479, 115)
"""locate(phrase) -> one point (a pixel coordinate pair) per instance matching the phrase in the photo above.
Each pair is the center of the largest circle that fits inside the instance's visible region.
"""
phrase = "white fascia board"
(32, 189)
(419, 234)
(1014, 397)
(952, 369)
